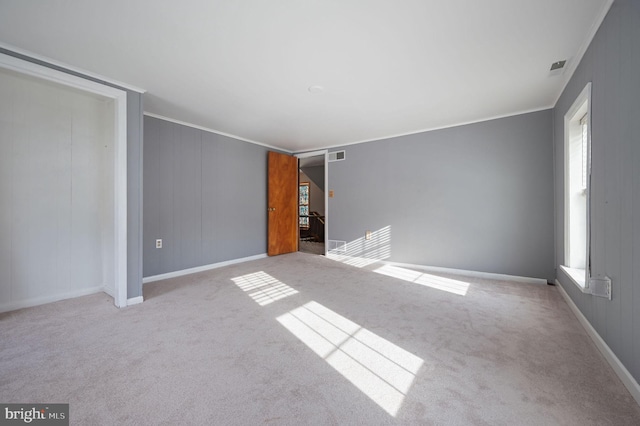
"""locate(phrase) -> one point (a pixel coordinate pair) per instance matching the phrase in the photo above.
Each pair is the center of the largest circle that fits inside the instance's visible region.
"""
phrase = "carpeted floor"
(302, 339)
(311, 247)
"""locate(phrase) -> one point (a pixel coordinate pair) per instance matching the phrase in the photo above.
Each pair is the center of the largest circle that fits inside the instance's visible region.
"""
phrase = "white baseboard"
(131, 301)
(28, 303)
(627, 379)
(201, 268)
(109, 291)
(475, 274)
(135, 300)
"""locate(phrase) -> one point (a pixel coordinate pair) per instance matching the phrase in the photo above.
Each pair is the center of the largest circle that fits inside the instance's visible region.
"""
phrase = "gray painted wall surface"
(315, 174)
(135, 109)
(612, 64)
(205, 196)
(476, 197)
(135, 137)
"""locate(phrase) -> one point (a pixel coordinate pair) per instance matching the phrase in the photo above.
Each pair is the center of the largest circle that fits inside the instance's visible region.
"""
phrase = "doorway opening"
(312, 202)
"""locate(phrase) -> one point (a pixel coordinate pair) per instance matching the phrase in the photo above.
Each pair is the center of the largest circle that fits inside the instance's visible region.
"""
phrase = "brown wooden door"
(283, 204)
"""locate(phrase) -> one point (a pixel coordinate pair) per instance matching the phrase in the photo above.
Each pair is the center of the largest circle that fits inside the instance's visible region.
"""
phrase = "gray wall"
(315, 174)
(612, 64)
(134, 175)
(135, 136)
(476, 197)
(205, 196)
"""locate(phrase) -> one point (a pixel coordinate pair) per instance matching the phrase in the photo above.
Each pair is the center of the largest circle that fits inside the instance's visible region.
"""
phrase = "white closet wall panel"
(6, 161)
(56, 192)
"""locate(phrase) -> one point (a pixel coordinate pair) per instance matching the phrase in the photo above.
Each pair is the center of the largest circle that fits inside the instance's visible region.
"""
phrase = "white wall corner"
(621, 371)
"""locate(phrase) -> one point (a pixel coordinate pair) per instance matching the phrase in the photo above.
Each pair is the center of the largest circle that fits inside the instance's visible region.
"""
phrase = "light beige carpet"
(302, 339)
(311, 247)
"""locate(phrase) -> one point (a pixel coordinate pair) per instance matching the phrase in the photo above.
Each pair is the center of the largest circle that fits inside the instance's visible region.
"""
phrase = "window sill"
(577, 276)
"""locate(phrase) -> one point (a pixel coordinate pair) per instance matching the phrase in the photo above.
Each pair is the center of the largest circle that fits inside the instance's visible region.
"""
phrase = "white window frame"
(575, 116)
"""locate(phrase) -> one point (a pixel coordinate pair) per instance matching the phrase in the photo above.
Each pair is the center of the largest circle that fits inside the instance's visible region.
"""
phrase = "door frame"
(325, 153)
(119, 98)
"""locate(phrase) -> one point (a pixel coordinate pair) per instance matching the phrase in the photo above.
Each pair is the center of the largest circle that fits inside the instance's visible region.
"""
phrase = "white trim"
(28, 303)
(120, 152)
(431, 129)
(572, 277)
(217, 132)
(182, 272)
(69, 67)
(586, 42)
(475, 274)
(326, 201)
(324, 152)
(135, 300)
(621, 371)
(307, 154)
(107, 290)
(326, 148)
(584, 96)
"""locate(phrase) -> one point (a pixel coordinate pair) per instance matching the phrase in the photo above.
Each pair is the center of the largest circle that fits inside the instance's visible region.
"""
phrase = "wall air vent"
(337, 246)
(557, 68)
(337, 155)
(600, 287)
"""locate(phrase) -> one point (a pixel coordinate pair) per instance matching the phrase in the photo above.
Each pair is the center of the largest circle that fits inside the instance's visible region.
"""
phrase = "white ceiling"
(388, 68)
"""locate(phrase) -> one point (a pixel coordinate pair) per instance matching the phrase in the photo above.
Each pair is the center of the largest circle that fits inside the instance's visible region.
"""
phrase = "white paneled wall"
(56, 192)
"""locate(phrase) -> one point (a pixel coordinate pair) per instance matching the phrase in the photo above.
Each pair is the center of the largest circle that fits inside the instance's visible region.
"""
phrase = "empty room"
(320, 212)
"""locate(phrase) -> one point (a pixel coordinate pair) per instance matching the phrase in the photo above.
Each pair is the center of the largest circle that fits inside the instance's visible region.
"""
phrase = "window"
(584, 132)
(303, 194)
(577, 153)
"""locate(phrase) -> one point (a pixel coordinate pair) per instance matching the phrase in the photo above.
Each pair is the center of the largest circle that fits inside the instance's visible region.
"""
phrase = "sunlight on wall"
(433, 281)
(263, 288)
(362, 252)
(381, 370)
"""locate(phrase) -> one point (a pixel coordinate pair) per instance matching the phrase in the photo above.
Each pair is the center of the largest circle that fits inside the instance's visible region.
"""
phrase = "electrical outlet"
(158, 243)
(367, 235)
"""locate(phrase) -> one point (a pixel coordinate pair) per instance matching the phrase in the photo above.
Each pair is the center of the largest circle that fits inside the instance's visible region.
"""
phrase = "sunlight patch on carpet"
(381, 370)
(263, 288)
(417, 277)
